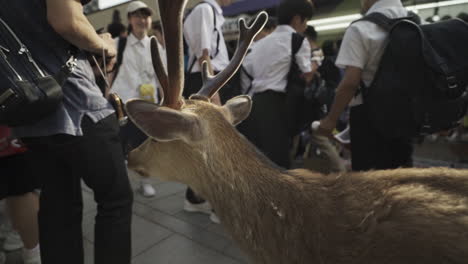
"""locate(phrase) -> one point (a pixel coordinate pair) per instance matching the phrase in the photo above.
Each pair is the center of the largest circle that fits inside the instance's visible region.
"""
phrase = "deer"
(278, 216)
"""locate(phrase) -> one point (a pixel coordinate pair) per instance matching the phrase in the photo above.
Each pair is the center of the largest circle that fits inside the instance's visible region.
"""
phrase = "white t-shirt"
(136, 69)
(364, 43)
(199, 34)
(269, 61)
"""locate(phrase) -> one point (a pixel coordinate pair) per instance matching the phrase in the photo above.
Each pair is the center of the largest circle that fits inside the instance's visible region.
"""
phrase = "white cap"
(136, 5)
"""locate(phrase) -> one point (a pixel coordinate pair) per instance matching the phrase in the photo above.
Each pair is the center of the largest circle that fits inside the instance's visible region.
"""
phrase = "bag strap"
(250, 77)
(296, 44)
(383, 21)
(379, 19)
(120, 52)
(218, 40)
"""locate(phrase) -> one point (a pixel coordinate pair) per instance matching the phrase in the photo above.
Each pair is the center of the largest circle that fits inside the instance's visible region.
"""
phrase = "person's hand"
(317, 57)
(110, 52)
(110, 64)
(326, 127)
(109, 46)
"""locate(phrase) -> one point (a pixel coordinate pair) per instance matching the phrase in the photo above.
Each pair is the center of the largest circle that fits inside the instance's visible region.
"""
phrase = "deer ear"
(163, 123)
(238, 108)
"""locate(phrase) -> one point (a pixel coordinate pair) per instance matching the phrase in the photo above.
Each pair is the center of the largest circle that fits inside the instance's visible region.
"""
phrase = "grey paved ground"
(164, 234)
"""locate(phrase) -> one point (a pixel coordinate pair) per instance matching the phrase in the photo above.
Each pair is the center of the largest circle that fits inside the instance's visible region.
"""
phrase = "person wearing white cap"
(135, 76)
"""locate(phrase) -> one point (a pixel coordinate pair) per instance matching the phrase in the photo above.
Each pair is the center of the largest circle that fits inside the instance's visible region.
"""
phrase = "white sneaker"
(32, 256)
(2, 258)
(204, 208)
(214, 218)
(12, 241)
(147, 190)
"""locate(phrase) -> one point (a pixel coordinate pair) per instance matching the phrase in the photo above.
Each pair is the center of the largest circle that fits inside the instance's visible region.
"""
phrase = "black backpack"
(27, 92)
(421, 86)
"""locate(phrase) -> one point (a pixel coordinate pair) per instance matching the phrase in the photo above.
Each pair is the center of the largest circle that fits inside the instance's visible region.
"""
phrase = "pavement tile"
(171, 205)
(180, 250)
(89, 205)
(198, 219)
(89, 252)
(144, 234)
(233, 251)
(193, 232)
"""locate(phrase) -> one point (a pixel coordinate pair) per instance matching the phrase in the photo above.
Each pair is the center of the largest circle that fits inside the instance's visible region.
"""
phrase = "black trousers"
(372, 151)
(97, 159)
(267, 127)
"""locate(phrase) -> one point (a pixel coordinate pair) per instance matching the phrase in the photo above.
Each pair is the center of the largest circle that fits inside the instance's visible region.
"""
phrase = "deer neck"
(253, 197)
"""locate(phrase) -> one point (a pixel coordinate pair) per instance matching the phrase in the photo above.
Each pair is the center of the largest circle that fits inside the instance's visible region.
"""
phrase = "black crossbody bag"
(27, 92)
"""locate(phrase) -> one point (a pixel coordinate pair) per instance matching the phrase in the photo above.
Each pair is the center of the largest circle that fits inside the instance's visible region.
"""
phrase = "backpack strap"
(383, 21)
(296, 44)
(379, 19)
(431, 56)
(218, 40)
(120, 52)
(250, 77)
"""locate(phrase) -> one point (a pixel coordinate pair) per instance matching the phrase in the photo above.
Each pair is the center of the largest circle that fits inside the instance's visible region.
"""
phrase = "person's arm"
(206, 57)
(202, 16)
(344, 94)
(303, 61)
(309, 76)
(67, 19)
(353, 56)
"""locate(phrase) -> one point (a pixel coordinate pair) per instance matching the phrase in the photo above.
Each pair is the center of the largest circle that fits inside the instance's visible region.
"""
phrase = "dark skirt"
(267, 127)
(17, 175)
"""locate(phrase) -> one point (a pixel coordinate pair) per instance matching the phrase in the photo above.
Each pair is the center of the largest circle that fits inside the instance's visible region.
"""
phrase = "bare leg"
(23, 214)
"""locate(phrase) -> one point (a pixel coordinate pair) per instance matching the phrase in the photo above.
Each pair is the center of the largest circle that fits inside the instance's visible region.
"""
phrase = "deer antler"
(158, 66)
(171, 18)
(212, 84)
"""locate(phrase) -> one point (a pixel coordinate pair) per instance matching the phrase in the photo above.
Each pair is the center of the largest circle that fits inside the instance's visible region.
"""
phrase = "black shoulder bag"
(27, 92)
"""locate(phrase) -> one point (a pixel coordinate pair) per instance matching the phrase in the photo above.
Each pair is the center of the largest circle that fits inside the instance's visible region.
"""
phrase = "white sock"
(31, 253)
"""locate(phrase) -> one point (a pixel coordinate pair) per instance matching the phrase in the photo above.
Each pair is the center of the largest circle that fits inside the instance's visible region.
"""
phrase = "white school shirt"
(364, 43)
(136, 69)
(245, 80)
(199, 34)
(269, 61)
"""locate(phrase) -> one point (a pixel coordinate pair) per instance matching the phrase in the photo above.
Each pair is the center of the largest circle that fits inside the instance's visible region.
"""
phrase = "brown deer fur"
(404, 216)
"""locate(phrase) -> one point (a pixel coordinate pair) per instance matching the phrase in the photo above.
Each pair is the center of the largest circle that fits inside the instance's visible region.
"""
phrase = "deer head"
(184, 133)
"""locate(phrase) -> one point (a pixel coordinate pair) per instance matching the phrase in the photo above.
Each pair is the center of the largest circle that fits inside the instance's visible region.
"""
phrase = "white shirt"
(245, 80)
(199, 34)
(269, 61)
(136, 69)
(364, 43)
